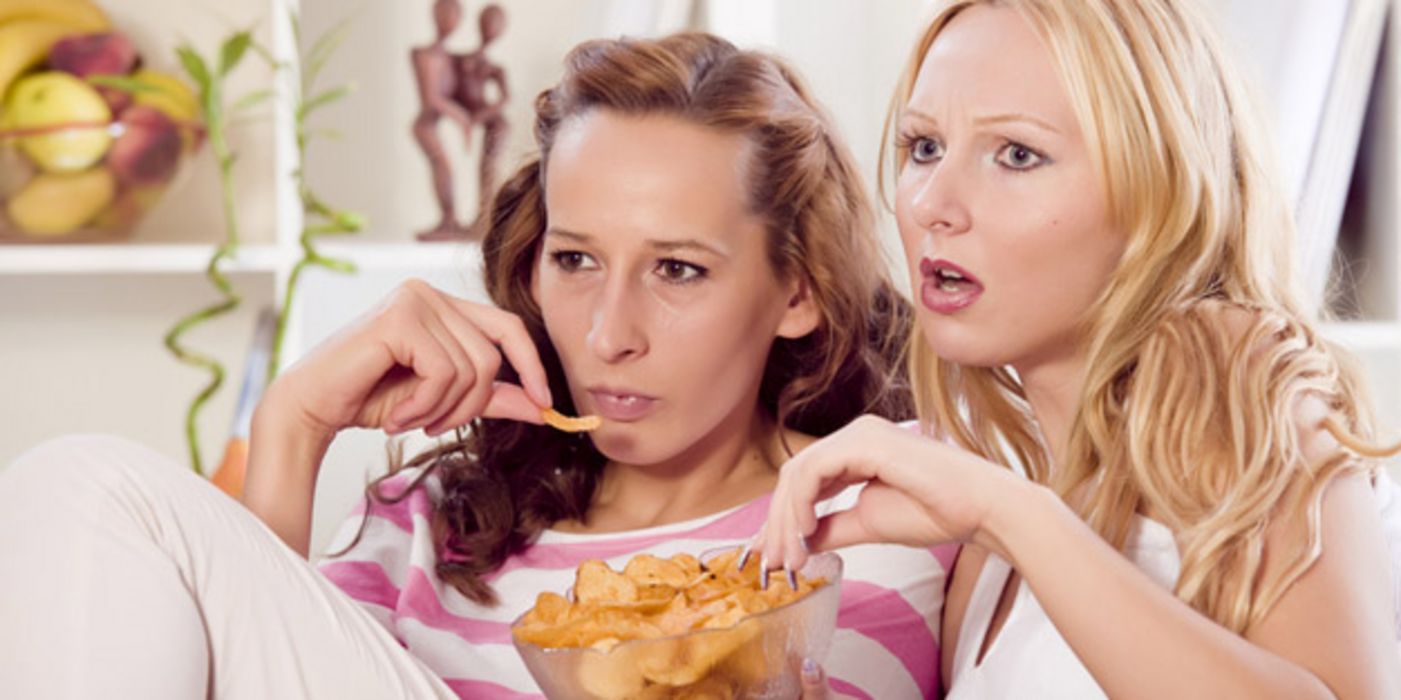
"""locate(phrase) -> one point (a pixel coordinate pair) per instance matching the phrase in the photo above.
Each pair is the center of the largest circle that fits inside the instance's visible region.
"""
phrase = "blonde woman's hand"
(918, 492)
(421, 359)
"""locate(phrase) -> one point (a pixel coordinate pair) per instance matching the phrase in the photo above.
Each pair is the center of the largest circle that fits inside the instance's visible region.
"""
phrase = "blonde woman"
(1106, 304)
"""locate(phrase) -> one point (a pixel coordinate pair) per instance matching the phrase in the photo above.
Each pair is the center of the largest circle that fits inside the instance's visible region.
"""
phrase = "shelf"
(1365, 335)
(130, 258)
(192, 258)
(405, 256)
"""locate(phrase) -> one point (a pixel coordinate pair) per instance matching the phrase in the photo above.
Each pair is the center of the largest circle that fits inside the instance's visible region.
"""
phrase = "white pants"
(123, 575)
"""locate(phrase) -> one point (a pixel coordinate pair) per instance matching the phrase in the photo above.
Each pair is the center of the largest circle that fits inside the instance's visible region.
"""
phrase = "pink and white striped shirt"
(886, 644)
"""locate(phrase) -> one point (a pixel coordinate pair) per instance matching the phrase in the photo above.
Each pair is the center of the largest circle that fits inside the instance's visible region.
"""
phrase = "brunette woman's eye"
(680, 271)
(572, 260)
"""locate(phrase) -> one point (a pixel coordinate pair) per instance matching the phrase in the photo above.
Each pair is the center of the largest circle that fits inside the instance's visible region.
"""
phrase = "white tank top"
(1029, 658)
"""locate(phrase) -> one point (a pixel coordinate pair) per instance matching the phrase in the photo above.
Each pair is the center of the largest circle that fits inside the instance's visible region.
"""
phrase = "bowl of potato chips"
(683, 627)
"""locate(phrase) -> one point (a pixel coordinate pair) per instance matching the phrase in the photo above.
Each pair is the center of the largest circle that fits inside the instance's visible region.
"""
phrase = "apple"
(103, 53)
(148, 149)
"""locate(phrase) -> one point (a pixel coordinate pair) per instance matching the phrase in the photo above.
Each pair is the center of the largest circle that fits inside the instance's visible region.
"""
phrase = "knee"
(72, 462)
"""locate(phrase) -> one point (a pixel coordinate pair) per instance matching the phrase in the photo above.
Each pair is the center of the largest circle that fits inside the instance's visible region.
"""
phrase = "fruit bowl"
(89, 139)
(758, 656)
(85, 182)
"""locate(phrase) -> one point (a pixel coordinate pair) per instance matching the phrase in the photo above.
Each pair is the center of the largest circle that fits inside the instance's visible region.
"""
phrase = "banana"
(82, 15)
(24, 43)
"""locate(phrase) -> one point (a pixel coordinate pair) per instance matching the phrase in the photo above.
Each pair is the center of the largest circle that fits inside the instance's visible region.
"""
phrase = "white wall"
(82, 353)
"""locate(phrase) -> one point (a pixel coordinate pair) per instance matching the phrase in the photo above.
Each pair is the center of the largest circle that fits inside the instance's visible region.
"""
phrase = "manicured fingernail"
(743, 558)
(763, 574)
(792, 577)
(542, 393)
(810, 670)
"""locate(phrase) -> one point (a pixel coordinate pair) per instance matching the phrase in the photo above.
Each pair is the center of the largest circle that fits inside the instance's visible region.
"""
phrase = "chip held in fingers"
(678, 627)
(569, 424)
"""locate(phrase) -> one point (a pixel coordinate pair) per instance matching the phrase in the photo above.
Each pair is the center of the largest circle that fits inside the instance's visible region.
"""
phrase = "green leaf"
(252, 99)
(233, 51)
(349, 220)
(342, 266)
(321, 51)
(328, 133)
(324, 99)
(123, 83)
(296, 23)
(195, 66)
(266, 54)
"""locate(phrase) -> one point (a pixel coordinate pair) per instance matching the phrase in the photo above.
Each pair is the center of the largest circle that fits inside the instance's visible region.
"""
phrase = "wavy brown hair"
(503, 482)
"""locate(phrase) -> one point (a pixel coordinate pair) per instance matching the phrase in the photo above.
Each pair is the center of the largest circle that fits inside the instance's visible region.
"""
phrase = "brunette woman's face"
(655, 283)
(1001, 210)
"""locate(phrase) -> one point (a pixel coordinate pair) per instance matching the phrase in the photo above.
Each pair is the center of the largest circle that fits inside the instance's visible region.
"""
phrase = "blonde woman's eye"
(679, 271)
(571, 260)
(1018, 157)
(925, 150)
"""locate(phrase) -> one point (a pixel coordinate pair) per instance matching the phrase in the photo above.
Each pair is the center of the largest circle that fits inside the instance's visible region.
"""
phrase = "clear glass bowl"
(93, 181)
(760, 657)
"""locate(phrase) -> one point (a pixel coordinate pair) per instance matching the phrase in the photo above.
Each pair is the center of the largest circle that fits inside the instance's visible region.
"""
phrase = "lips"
(622, 405)
(946, 287)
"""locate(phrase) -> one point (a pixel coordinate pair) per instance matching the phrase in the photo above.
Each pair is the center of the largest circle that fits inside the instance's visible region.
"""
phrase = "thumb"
(510, 401)
(814, 681)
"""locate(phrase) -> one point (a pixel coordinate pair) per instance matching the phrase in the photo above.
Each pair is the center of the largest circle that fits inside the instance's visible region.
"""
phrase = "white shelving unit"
(80, 325)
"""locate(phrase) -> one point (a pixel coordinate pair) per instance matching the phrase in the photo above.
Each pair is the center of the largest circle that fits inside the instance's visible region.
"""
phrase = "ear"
(802, 315)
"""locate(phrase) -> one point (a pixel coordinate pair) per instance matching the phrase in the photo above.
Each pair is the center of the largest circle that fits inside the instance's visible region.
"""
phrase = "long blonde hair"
(1200, 346)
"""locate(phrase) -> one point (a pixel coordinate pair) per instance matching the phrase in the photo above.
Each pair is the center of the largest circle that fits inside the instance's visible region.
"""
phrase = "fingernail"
(810, 670)
(792, 577)
(743, 558)
(763, 574)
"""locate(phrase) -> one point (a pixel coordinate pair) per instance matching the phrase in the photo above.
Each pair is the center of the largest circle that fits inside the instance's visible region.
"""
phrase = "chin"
(963, 347)
(628, 443)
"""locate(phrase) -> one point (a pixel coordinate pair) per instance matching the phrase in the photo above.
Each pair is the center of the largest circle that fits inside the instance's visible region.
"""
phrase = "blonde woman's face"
(655, 283)
(1001, 212)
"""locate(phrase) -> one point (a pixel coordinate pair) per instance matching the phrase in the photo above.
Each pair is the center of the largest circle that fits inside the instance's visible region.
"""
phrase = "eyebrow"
(665, 246)
(993, 119)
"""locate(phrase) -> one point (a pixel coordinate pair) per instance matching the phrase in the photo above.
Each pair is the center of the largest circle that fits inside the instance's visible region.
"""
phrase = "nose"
(938, 201)
(617, 332)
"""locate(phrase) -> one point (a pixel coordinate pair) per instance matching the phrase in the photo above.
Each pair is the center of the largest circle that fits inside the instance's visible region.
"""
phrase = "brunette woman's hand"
(918, 492)
(421, 359)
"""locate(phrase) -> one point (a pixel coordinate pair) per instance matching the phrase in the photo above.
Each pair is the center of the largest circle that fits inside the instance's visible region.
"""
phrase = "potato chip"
(699, 616)
(611, 676)
(653, 571)
(595, 581)
(569, 424)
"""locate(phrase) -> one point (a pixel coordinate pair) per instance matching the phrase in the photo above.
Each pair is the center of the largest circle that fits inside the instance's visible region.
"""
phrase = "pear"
(54, 204)
(46, 102)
